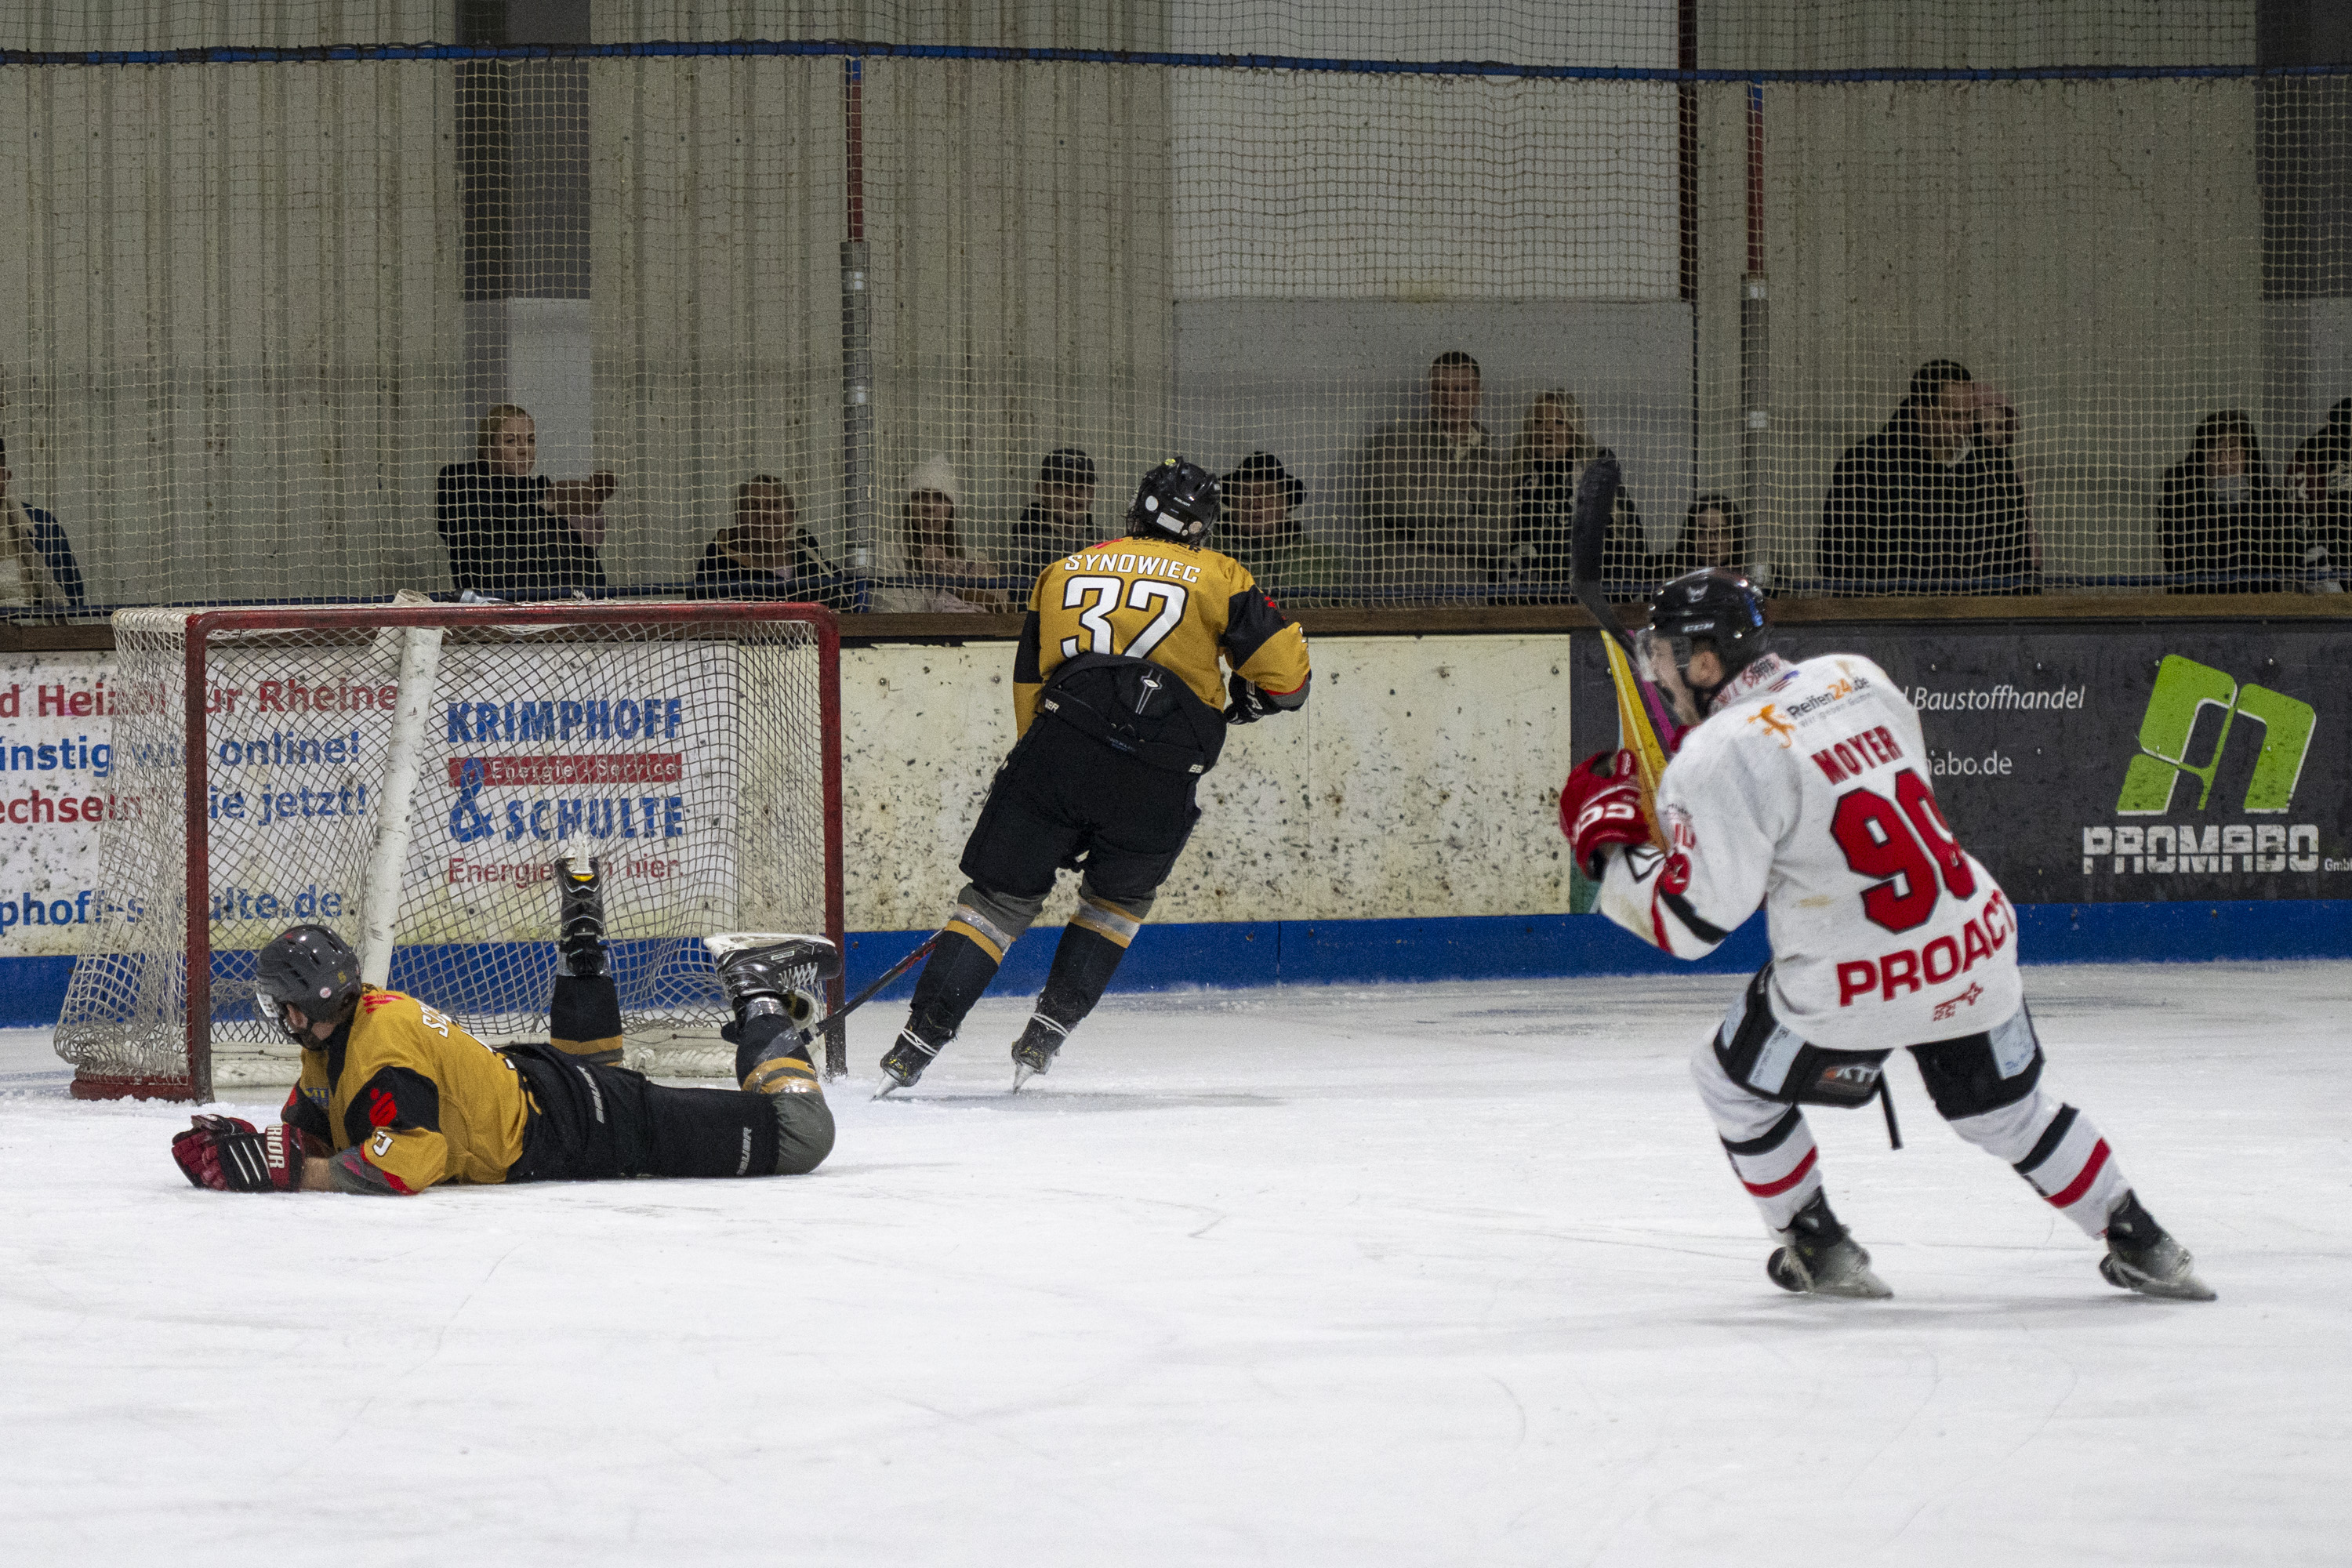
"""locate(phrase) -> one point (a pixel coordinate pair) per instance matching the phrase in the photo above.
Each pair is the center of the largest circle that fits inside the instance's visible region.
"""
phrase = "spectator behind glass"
(37, 569)
(2224, 527)
(1254, 526)
(1932, 503)
(1714, 533)
(933, 576)
(2319, 481)
(764, 554)
(1548, 457)
(514, 534)
(1060, 517)
(1432, 496)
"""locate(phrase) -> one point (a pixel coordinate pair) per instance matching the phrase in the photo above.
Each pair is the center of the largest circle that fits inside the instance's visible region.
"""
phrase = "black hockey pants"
(594, 1122)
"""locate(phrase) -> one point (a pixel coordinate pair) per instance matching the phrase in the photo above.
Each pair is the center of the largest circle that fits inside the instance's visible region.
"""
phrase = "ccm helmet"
(307, 967)
(1176, 500)
(1714, 610)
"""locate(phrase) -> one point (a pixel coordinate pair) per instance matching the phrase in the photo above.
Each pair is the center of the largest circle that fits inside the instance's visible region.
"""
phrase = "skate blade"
(885, 1091)
(1021, 1075)
(2181, 1288)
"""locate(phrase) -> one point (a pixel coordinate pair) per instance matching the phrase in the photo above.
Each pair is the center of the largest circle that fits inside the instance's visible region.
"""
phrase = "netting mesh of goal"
(893, 322)
(686, 757)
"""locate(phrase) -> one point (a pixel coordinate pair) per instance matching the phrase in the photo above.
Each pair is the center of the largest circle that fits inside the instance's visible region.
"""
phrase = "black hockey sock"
(1083, 965)
(583, 1018)
(755, 1036)
(958, 970)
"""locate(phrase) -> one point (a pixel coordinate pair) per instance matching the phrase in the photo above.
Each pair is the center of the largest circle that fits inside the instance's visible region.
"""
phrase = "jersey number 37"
(1096, 598)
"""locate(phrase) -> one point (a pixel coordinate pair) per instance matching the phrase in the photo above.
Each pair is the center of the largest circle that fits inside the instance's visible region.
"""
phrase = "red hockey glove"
(227, 1154)
(1600, 805)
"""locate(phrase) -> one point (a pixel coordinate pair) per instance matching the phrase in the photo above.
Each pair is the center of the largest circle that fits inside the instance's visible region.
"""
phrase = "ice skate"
(580, 917)
(756, 964)
(1819, 1256)
(903, 1063)
(1033, 1053)
(2143, 1256)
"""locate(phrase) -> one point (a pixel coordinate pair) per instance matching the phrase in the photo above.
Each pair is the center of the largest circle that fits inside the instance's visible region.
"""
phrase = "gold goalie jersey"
(1178, 605)
(406, 1099)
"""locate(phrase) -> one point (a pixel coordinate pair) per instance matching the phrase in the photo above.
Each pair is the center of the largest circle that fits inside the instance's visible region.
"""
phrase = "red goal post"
(406, 774)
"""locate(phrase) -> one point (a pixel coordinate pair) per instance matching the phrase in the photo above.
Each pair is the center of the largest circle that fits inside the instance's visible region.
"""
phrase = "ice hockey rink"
(1417, 1274)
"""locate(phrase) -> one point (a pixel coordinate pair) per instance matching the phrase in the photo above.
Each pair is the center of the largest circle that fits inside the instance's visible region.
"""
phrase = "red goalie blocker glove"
(1600, 805)
(228, 1155)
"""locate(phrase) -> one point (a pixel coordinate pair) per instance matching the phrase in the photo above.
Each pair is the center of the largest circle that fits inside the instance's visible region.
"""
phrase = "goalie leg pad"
(1770, 1147)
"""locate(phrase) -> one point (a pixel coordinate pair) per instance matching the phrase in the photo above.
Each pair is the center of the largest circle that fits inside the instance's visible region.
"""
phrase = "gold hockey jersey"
(1178, 606)
(406, 1099)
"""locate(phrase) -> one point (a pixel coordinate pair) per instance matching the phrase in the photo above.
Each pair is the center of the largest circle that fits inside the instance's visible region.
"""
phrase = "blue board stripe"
(1500, 947)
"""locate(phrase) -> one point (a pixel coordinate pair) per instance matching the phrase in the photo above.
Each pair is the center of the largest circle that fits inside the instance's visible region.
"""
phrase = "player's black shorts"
(1065, 799)
(595, 1124)
(1966, 1075)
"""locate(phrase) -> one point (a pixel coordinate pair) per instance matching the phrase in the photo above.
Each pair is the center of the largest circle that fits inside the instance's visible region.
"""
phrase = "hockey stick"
(896, 970)
(1643, 725)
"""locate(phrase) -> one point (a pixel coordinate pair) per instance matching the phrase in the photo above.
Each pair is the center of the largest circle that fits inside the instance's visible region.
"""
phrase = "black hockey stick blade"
(1596, 504)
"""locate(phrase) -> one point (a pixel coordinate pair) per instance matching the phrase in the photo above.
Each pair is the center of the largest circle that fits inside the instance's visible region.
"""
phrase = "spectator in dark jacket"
(1547, 457)
(764, 555)
(2225, 529)
(515, 534)
(37, 569)
(2319, 481)
(1932, 503)
(1060, 517)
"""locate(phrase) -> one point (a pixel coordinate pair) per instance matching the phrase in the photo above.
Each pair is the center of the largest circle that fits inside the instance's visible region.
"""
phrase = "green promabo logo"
(2184, 690)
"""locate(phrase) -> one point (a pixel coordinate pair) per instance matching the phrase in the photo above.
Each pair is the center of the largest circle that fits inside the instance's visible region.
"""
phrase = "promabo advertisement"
(2194, 760)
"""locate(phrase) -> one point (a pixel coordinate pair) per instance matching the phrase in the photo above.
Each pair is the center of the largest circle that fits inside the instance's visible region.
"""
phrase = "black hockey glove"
(1250, 703)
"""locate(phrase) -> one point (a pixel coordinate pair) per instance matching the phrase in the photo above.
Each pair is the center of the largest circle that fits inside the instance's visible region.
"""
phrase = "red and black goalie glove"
(1601, 804)
(228, 1155)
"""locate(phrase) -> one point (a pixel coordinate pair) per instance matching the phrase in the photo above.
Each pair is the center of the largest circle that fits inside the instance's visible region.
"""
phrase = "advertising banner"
(2165, 761)
(57, 785)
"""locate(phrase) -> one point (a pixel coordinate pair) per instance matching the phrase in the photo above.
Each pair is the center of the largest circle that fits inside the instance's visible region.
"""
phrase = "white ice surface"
(1444, 1274)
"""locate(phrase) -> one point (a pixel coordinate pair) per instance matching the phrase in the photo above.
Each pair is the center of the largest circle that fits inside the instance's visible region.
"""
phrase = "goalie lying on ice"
(395, 1097)
(1802, 788)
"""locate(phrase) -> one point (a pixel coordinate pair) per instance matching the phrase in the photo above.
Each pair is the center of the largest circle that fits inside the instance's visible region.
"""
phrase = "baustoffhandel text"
(2238, 850)
(2004, 698)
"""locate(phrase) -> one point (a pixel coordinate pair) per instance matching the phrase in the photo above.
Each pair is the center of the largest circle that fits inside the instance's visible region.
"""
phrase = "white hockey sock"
(1771, 1148)
(2059, 1153)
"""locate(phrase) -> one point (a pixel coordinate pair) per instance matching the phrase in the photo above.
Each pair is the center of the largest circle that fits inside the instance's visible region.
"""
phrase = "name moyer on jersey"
(1802, 789)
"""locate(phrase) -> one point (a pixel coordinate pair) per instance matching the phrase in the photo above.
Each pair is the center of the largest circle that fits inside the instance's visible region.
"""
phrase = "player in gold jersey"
(1121, 697)
(394, 1097)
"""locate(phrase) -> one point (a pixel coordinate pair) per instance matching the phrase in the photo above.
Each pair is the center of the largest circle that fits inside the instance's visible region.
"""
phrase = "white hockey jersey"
(1807, 791)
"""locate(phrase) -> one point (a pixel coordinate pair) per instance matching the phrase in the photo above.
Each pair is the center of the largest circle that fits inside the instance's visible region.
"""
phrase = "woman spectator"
(2224, 528)
(932, 575)
(764, 555)
(1547, 457)
(1256, 527)
(515, 534)
(1714, 533)
(37, 569)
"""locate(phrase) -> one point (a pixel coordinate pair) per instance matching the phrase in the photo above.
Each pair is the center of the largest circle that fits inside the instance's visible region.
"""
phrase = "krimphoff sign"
(2166, 760)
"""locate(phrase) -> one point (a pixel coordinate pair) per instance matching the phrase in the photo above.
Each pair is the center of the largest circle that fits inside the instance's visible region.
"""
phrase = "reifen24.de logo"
(2171, 791)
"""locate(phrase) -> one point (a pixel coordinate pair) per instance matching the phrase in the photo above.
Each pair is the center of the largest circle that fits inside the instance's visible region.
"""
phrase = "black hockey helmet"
(1715, 609)
(1176, 500)
(307, 967)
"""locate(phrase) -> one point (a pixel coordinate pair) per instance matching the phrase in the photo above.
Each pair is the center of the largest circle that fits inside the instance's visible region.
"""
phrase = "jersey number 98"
(1905, 843)
(1096, 598)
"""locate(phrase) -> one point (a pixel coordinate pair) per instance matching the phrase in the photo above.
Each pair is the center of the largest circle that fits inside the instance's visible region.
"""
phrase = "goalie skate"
(1819, 1256)
(579, 917)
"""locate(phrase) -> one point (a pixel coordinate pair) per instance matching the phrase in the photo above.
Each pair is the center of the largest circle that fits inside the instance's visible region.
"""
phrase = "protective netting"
(889, 323)
(687, 756)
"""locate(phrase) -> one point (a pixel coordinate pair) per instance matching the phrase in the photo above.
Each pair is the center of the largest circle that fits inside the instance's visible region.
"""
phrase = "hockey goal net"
(407, 775)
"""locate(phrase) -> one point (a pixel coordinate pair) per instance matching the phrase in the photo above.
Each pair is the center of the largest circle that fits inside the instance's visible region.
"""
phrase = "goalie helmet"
(307, 967)
(1176, 500)
(1714, 610)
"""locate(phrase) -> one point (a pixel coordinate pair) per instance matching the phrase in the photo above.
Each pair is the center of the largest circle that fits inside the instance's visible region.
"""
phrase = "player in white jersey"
(1803, 787)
